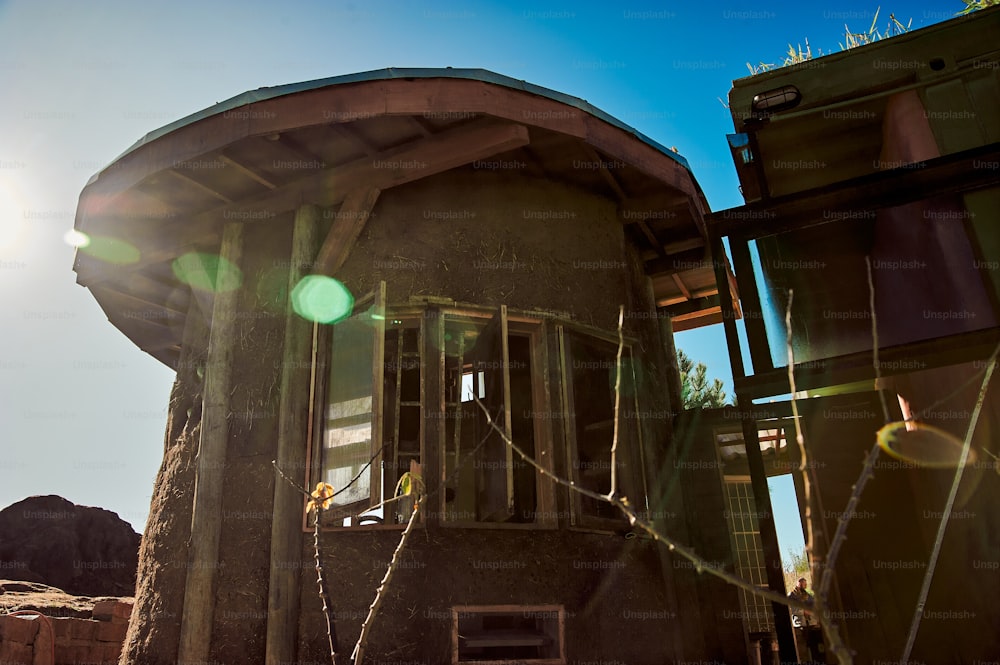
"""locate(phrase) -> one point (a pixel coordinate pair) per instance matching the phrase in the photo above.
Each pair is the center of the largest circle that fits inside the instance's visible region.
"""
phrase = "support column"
(293, 417)
(758, 477)
(206, 517)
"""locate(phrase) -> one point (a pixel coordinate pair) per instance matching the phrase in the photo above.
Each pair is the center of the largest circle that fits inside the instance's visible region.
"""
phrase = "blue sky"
(83, 410)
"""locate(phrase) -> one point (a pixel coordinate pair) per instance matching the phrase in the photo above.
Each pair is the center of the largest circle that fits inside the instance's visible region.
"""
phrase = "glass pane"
(592, 367)
(478, 465)
(928, 280)
(347, 439)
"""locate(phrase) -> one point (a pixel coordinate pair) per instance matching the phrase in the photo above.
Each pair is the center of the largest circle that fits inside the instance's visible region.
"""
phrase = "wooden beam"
(606, 175)
(396, 166)
(680, 262)
(347, 226)
(293, 416)
(420, 126)
(206, 517)
(151, 309)
(199, 186)
(949, 174)
(651, 238)
(681, 286)
(247, 171)
(692, 306)
(851, 368)
(684, 245)
(351, 136)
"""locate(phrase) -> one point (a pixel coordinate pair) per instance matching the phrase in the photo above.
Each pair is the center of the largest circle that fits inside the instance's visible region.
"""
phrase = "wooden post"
(206, 517)
(293, 414)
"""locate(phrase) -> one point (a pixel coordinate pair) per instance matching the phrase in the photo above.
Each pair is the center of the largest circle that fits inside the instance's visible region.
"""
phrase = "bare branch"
(956, 481)
(821, 606)
(618, 383)
(868, 471)
(700, 564)
(327, 613)
(359, 648)
(799, 438)
(288, 480)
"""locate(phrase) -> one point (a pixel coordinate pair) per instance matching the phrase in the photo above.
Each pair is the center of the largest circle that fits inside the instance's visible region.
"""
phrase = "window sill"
(517, 526)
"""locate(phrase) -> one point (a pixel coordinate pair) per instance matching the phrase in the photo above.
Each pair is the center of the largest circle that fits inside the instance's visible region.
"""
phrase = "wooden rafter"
(681, 286)
(247, 171)
(651, 237)
(351, 136)
(606, 175)
(328, 187)
(347, 226)
(200, 186)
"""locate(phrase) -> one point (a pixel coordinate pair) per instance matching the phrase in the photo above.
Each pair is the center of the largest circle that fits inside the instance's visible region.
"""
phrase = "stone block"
(43, 647)
(20, 629)
(108, 631)
(112, 610)
(112, 652)
(68, 628)
(15, 653)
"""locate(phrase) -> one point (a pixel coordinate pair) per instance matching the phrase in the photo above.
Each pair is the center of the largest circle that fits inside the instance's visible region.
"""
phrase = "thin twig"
(618, 381)
(875, 343)
(820, 605)
(327, 614)
(949, 504)
(291, 482)
(868, 471)
(381, 504)
(701, 565)
(799, 438)
(359, 648)
(367, 464)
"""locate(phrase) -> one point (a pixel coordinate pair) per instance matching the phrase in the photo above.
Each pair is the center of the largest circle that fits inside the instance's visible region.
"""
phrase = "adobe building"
(487, 231)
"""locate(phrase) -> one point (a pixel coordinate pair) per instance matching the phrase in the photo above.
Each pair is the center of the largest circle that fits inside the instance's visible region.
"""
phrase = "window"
(485, 481)
(742, 516)
(590, 368)
(372, 417)
(508, 634)
(353, 400)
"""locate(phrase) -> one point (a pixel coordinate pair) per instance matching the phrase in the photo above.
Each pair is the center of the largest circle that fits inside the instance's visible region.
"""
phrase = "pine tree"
(696, 391)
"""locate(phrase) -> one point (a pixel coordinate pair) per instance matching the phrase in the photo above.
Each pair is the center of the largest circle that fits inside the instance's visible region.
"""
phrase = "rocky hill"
(82, 550)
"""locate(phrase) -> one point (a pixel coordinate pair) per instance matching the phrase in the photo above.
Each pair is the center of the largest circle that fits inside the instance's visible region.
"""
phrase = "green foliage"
(696, 391)
(796, 54)
(798, 563)
(975, 5)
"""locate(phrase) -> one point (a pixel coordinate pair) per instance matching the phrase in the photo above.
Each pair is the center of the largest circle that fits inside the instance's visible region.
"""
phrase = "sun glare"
(75, 238)
(12, 223)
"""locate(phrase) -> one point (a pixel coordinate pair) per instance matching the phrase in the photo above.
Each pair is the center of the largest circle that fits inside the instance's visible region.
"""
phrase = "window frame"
(635, 450)
(322, 353)
(534, 328)
(546, 334)
(560, 619)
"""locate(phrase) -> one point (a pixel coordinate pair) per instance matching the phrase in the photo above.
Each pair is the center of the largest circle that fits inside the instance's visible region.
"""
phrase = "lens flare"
(111, 250)
(207, 272)
(12, 206)
(322, 299)
(923, 445)
(75, 238)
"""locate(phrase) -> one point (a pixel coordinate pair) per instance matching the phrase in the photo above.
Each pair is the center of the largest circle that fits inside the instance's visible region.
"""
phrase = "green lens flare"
(207, 272)
(923, 445)
(322, 299)
(108, 249)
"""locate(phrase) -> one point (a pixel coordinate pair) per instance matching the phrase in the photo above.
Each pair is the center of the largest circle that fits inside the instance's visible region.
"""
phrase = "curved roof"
(261, 154)
(265, 93)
